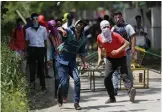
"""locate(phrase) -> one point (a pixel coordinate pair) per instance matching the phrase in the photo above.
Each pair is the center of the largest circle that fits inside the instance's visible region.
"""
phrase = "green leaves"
(13, 82)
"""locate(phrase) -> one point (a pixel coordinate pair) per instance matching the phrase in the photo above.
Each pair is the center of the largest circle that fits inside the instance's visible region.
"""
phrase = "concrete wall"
(156, 27)
(151, 19)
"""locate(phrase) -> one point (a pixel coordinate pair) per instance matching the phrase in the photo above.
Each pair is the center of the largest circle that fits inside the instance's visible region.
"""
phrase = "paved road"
(147, 100)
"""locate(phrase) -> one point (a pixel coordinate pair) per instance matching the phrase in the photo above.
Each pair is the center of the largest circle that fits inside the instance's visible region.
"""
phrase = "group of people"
(59, 42)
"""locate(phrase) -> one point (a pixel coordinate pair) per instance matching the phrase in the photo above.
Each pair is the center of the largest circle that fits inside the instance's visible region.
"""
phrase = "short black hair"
(18, 20)
(34, 14)
(138, 16)
(59, 19)
(106, 17)
(117, 12)
(99, 19)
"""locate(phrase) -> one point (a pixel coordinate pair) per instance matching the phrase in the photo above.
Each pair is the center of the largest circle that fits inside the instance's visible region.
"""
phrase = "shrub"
(13, 82)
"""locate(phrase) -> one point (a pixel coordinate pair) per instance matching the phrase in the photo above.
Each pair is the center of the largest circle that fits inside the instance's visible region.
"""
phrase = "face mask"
(54, 31)
(106, 35)
(106, 31)
(35, 24)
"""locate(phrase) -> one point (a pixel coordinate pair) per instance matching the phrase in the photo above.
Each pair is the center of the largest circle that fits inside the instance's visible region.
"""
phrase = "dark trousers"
(111, 65)
(36, 57)
(45, 67)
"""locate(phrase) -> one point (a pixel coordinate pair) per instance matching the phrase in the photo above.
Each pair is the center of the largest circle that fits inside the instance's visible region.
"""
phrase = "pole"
(20, 15)
(143, 50)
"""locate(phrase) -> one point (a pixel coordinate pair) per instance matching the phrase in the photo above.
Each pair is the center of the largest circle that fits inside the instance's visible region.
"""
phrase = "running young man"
(114, 46)
(72, 44)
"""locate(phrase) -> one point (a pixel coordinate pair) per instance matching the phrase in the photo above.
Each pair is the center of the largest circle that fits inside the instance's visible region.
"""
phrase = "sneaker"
(77, 107)
(132, 94)
(110, 100)
(64, 100)
(115, 91)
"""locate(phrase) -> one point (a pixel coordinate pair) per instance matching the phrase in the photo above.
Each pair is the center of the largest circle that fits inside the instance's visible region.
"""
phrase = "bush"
(13, 82)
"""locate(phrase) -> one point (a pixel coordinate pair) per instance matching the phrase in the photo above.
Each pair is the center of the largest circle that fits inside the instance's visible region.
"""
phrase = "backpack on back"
(121, 30)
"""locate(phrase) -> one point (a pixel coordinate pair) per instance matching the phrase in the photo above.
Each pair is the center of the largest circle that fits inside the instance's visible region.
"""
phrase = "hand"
(85, 66)
(64, 33)
(99, 62)
(114, 52)
(49, 63)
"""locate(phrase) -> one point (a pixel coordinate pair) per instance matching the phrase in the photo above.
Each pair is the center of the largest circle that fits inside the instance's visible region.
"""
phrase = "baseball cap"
(81, 21)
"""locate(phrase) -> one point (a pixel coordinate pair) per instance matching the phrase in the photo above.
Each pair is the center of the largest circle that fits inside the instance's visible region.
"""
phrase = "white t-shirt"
(129, 29)
(140, 37)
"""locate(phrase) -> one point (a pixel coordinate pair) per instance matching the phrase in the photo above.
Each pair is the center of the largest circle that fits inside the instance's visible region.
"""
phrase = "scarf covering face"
(106, 32)
(52, 27)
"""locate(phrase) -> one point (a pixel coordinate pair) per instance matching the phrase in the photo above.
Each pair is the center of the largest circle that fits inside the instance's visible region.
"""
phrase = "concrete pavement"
(147, 100)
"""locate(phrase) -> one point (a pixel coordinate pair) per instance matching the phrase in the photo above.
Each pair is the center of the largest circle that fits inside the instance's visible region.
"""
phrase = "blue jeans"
(67, 89)
(130, 74)
(63, 73)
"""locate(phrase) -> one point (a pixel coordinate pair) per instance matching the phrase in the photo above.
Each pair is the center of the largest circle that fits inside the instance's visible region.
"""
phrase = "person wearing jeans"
(127, 32)
(114, 46)
(72, 44)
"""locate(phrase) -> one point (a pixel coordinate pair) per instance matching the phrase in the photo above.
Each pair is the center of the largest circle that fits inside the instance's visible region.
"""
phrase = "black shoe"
(77, 107)
(47, 76)
(59, 100)
(111, 100)
(116, 91)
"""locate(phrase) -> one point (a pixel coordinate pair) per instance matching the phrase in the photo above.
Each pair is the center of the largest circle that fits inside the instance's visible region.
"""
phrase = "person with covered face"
(36, 37)
(55, 41)
(114, 46)
(72, 44)
(127, 32)
(68, 20)
(17, 41)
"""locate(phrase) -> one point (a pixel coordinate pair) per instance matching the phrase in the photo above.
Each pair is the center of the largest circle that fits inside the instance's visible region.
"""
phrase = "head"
(41, 20)
(138, 20)
(79, 25)
(51, 23)
(99, 19)
(67, 17)
(118, 18)
(19, 22)
(59, 22)
(105, 25)
(106, 17)
(52, 27)
(106, 32)
(34, 18)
